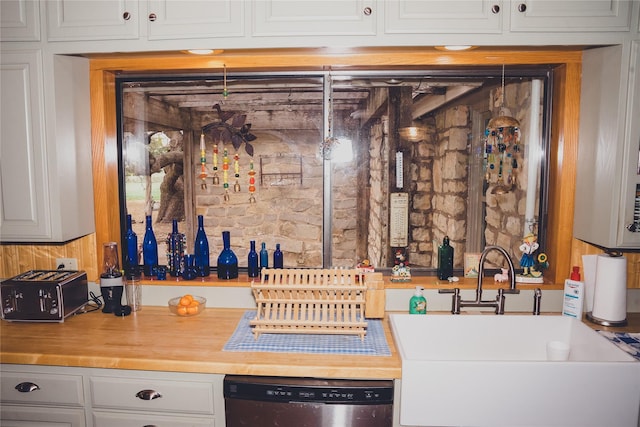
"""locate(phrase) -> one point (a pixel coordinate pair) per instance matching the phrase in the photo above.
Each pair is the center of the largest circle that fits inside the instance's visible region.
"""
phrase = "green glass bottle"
(445, 259)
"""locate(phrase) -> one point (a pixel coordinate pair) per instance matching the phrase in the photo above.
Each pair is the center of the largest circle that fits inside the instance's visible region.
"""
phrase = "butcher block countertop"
(154, 339)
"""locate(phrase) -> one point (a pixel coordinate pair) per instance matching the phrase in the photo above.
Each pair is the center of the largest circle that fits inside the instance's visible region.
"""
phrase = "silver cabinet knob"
(152, 17)
(495, 8)
(522, 7)
(368, 11)
(148, 394)
(126, 16)
(27, 387)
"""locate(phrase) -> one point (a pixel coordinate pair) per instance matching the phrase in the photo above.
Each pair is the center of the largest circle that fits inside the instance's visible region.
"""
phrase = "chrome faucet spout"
(512, 272)
(498, 303)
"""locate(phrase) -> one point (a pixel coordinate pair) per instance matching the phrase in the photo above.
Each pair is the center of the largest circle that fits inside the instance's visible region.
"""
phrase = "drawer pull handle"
(27, 387)
(148, 394)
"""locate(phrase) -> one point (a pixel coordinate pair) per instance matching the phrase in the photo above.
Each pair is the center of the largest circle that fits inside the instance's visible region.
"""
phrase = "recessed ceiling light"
(455, 47)
(204, 51)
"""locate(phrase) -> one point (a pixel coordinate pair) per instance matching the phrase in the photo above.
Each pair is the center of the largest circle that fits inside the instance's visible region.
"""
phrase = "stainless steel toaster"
(43, 295)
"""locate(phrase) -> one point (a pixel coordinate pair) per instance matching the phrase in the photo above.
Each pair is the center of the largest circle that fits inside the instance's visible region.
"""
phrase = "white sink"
(488, 370)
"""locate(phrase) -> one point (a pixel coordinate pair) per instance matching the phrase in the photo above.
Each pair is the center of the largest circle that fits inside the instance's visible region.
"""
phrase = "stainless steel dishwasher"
(307, 402)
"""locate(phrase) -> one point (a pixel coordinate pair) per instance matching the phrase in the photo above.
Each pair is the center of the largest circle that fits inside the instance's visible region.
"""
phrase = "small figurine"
(528, 261)
(401, 271)
(502, 277)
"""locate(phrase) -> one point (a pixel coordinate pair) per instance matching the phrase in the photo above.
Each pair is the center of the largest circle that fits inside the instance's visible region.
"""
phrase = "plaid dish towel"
(374, 343)
(626, 341)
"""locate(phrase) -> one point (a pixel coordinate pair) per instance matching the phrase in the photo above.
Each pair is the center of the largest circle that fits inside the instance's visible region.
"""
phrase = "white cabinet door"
(46, 191)
(570, 15)
(19, 20)
(607, 209)
(180, 19)
(443, 16)
(23, 167)
(629, 227)
(314, 17)
(92, 20)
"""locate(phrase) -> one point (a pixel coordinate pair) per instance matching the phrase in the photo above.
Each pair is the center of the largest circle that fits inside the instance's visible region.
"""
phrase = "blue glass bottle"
(227, 260)
(278, 259)
(190, 271)
(252, 260)
(264, 257)
(131, 244)
(201, 250)
(149, 249)
(175, 250)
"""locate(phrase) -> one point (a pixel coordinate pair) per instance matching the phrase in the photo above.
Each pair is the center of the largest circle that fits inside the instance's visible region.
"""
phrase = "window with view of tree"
(312, 161)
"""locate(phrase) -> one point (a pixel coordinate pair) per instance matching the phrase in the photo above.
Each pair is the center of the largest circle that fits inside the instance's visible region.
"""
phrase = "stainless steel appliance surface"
(43, 295)
(307, 402)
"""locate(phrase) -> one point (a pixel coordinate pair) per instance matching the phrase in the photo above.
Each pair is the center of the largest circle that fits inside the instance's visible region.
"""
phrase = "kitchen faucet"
(498, 303)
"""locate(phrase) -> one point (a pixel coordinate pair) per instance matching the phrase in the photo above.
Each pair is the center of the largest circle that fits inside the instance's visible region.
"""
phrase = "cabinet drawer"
(152, 395)
(30, 416)
(48, 389)
(128, 419)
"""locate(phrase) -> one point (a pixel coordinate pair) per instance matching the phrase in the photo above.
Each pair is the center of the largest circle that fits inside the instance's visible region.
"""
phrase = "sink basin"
(487, 370)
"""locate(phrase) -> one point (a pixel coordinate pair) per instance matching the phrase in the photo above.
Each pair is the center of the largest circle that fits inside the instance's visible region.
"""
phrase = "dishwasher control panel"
(308, 390)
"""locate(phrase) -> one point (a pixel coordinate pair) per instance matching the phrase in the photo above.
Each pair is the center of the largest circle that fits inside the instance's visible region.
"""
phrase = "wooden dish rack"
(310, 301)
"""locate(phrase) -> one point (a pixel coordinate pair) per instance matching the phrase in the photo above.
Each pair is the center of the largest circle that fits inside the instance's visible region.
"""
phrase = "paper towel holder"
(605, 322)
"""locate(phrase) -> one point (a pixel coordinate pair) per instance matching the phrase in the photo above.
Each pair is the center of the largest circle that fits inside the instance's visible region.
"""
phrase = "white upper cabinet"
(23, 172)
(570, 15)
(444, 16)
(607, 210)
(19, 20)
(312, 17)
(180, 19)
(92, 20)
(46, 190)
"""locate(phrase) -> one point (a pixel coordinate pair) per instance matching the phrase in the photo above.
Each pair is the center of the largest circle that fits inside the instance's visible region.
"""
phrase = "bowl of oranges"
(187, 305)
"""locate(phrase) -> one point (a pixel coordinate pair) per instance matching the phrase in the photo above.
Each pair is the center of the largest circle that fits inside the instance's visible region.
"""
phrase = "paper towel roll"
(610, 294)
(589, 266)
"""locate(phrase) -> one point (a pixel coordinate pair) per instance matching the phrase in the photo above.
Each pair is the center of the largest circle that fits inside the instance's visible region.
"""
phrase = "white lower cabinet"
(86, 397)
(31, 397)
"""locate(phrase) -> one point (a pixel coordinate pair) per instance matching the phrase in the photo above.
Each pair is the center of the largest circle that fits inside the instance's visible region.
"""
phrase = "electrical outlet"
(67, 263)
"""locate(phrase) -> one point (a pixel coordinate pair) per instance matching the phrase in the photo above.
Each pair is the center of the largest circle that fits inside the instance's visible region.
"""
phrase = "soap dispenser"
(418, 303)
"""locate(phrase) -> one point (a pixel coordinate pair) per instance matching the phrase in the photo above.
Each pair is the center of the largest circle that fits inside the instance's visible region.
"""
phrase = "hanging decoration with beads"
(252, 182)
(501, 148)
(216, 178)
(225, 174)
(236, 172)
(230, 128)
(203, 163)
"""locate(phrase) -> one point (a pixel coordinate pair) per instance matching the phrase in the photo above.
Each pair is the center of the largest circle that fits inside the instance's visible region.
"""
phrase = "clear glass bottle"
(201, 250)
(278, 259)
(149, 249)
(227, 260)
(445, 259)
(264, 256)
(131, 245)
(252, 260)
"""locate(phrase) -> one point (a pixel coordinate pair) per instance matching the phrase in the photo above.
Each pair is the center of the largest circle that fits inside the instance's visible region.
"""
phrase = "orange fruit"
(182, 310)
(192, 309)
(186, 300)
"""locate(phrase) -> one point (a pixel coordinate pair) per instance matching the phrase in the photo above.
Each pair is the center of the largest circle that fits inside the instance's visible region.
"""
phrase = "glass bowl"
(187, 305)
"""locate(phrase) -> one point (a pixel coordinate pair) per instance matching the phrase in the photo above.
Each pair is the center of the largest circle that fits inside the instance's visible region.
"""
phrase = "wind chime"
(236, 133)
(501, 145)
